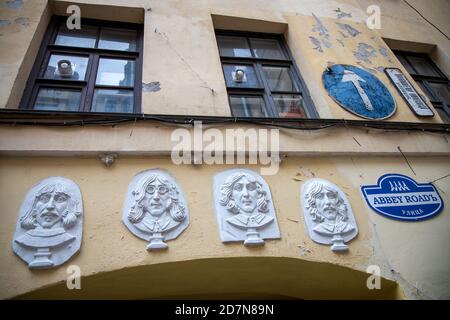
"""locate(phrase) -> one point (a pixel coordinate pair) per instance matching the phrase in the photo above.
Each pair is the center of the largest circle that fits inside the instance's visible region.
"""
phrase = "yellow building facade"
(182, 82)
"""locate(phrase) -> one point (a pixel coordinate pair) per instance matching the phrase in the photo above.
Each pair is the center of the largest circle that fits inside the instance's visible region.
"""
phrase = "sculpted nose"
(245, 193)
(51, 203)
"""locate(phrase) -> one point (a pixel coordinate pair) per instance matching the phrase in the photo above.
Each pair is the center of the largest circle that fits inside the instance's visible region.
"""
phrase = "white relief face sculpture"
(327, 201)
(157, 198)
(155, 209)
(244, 209)
(49, 228)
(50, 206)
(245, 194)
(328, 216)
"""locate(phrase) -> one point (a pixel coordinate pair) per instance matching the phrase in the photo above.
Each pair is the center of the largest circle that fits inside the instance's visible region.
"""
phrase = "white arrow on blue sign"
(359, 92)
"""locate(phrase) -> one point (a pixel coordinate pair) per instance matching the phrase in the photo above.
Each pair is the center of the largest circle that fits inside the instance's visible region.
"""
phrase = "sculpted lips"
(48, 215)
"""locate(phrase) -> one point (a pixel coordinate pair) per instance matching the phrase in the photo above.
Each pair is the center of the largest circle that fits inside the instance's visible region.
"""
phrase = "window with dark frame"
(261, 77)
(430, 78)
(97, 68)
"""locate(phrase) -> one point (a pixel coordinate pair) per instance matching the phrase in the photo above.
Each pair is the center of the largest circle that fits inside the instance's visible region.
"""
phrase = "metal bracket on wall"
(108, 158)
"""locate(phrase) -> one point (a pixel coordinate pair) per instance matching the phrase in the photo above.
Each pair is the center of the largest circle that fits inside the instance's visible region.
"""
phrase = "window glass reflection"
(279, 79)
(115, 72)
(118, 39)
(233, 46)
(248, 106)
(289, 106)
(423, 66)
(441, 91)
(405, 64)
(267, 49)
(55, 99)
(106, 100)
(84, 37)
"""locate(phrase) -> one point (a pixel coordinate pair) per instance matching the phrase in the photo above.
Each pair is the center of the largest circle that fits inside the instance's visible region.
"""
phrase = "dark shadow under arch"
(225, 278)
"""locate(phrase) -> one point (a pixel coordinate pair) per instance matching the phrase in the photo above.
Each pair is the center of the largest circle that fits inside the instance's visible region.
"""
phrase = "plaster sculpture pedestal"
(338, 243)
(41, 259)
(156, 242)
(253, 238)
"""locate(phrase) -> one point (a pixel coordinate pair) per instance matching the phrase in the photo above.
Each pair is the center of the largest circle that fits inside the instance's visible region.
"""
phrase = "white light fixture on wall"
(239, 75)
(65, 69)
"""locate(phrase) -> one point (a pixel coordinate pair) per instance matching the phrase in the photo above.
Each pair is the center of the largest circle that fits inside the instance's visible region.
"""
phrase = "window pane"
(118, 39)
(444, 116)
(425, 90)
(406, 64)
(240, 76)
(233, 46)
(289, 106)
(58, 99)
(84, 37)
(423, 67)
(267, 49)
(106, 100)
(247, 106)
(66, 67)
(115, 72)
(441, 91)
(279, 79)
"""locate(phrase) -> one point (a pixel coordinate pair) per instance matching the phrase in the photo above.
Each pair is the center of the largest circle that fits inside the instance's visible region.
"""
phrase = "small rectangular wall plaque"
(409, 93)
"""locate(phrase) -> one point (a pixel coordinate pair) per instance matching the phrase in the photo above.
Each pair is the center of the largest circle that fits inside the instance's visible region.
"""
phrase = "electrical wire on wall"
(70, 119)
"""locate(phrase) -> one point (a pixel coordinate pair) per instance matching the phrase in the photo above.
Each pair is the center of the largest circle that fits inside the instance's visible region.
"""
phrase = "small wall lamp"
(239, 75)
(65, 69)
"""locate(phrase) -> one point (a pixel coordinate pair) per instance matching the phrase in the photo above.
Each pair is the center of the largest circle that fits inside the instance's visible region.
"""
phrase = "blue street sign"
(399, 197)
(358, 91)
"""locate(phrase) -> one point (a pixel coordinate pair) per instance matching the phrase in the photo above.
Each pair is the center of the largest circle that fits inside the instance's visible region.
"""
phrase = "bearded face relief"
(50, 207)
(328, 215)
(244, 208)
(155, 209)
(49, 228)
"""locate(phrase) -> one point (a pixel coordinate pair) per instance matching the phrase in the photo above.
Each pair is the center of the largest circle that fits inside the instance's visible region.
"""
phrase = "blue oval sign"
(359, 92)
(399, 197)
